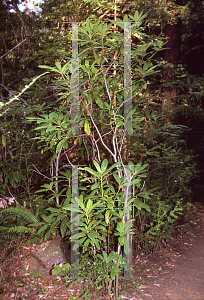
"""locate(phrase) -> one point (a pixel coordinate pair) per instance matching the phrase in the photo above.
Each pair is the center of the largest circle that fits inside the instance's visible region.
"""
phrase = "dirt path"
(186, 280)
(172, 273)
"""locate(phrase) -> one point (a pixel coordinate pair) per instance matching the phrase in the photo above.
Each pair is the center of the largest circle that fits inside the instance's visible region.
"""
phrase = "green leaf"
(104, 165)
(43, 228)
(112, 167)
(107, 216)
(139, 204)
(48, 233)
(36, 224)
(120, 227)
(86, 127)
(125, 19)
(54, 210)
(90, 98)
(12, 181)
(145, 206)
(98, 101)
(50, 128)
(58, 148)
(119, 124)
(95, 186)
(91, 171)
(45, 218)
(16, 176)
(117, 178)
(58, 65)
(144, 195)
(47, 67)
(81, 202)
(145, 66)
(53, 230)
(97, 166)
(95, 55)
(97, 244)
(63, 226)
(65, 67)
(107, 105)
(89, 204)
(86, 243)
(121, 240)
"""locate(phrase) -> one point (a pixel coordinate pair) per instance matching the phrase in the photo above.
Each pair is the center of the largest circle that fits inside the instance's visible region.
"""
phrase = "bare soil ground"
(174, 272)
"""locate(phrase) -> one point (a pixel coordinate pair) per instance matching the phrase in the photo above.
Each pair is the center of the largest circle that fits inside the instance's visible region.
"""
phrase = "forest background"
(161, 154)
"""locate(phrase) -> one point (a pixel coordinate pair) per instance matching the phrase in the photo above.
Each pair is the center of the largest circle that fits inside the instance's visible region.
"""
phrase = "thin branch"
(92, 136)
(119, 150)
(131, 97)
(123, 137)
(104, 135)
(56, 163)
(4, 87)
(142, 186)
(12, 49)
(12, 196)
(107, 89)
(98, 132)
(86, 149)
(72, 146)
(37, 171)
(92, 141)
(114, 147)
(68, 159)
(2, 73)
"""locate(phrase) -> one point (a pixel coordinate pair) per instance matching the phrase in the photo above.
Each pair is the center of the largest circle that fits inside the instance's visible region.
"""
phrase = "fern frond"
(21, 212)
(17, 229)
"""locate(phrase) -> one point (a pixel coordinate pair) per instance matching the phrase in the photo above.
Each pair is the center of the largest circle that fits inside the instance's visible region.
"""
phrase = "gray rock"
(44, 257)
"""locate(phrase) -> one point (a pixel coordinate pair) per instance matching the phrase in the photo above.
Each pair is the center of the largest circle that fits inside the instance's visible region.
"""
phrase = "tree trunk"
(172, 55)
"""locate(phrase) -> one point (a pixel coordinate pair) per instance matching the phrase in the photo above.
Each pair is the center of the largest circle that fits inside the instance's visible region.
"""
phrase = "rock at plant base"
(43, 257)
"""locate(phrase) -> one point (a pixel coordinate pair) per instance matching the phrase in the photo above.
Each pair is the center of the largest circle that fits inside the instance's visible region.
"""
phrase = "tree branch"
(12, 49)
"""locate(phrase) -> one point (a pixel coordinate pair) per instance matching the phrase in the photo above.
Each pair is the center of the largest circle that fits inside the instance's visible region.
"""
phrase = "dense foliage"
(138, 167)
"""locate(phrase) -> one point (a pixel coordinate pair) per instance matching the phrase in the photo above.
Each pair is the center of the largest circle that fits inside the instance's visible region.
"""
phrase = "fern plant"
(15, 219)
